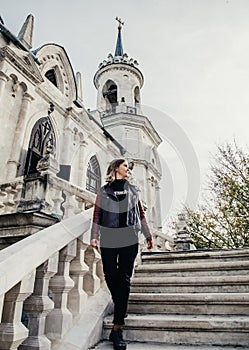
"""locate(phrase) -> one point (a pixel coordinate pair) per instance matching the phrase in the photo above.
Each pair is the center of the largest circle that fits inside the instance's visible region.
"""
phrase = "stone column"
(67, 143)
(82, 166)
(77, 297)
(150, 202)
(12, 331)
(38, 305)
(59, 320)
(18, 138)
(158, 206)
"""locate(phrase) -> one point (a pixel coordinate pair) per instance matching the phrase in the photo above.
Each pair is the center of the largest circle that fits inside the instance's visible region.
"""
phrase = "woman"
(117, 219)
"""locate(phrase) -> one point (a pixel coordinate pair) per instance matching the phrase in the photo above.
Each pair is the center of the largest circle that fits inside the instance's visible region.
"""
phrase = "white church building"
(54, 151)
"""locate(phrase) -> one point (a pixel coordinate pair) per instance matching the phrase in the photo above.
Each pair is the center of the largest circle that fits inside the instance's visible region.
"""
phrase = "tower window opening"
(110, 94)
(137, 95)
(51, 76)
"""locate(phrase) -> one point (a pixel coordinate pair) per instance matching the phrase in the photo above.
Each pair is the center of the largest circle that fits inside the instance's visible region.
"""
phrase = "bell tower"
(119, 81)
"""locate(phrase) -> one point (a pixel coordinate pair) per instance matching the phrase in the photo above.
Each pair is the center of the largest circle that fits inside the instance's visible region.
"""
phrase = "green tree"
(223, 220)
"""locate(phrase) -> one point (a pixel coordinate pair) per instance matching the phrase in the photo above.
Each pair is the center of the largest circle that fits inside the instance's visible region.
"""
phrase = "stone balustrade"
(46, 280)
(52, 195)
(162, 241)
(120, 108)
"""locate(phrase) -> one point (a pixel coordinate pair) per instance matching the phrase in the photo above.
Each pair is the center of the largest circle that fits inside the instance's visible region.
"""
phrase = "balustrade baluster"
(81, 205)
(57, 199)
(48, 198)
(91, 280)
(3, 194)
(38, 305)
(19, 188)
(12, 331)
(9, 202)
(77, 297)
(59, 320)
(100, 273)
(69, 205)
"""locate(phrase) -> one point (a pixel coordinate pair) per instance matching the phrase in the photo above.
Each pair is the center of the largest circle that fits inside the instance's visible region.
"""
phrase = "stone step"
(219, 268)
(190, 303)
(106, 345)
(202, 284)
(185, 329)
(194, 256)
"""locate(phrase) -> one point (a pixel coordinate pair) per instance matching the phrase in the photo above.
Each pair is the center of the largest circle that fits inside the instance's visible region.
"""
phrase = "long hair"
(111, 170)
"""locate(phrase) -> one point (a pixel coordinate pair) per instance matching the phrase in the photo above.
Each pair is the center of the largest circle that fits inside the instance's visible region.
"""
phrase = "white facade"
(43, 115)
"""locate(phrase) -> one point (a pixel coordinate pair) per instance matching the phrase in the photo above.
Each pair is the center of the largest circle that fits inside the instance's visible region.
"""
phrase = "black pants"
(118, 266)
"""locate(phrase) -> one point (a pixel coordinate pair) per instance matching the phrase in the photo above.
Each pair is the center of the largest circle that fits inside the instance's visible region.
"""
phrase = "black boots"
(116, 336)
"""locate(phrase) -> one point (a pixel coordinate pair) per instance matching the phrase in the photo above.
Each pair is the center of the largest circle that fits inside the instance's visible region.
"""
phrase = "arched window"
(137, 95)
(51, 76)
(110, 94)
(42, 136)
(93, 175)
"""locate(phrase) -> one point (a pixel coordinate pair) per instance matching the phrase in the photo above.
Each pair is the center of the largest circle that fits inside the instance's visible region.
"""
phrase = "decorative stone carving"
(183, 240)
(48, 164)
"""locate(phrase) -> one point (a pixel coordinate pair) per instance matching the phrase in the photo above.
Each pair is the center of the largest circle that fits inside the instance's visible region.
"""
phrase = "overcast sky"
(194, 55)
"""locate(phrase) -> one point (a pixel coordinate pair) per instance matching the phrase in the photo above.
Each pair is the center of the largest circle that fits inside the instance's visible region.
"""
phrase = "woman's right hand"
(150, 243)
(94, 243)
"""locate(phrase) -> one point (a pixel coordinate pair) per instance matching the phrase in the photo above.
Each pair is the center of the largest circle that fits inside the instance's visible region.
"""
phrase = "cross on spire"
(120, 22)
(119, 46)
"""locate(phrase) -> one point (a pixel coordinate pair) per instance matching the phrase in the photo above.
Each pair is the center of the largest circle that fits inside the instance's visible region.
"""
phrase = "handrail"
(44, 243)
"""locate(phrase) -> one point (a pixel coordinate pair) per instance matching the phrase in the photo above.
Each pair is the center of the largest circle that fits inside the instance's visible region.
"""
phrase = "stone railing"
(120, 108)
(46, 280)
(52, 195)
(162, 241)
(59, 198)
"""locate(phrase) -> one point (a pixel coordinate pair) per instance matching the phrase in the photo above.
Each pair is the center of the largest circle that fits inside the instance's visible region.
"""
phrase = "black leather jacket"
(106, 211)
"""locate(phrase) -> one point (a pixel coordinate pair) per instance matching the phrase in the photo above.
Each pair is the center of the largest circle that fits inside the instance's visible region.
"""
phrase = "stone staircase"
(193, 298)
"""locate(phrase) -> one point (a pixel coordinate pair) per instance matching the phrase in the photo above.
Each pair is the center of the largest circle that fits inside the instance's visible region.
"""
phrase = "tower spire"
(26, 32)
(119, 46)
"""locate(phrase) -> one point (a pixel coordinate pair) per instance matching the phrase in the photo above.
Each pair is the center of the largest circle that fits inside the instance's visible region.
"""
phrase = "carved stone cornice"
(119, 67)
(23, 62)
(135, 121)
